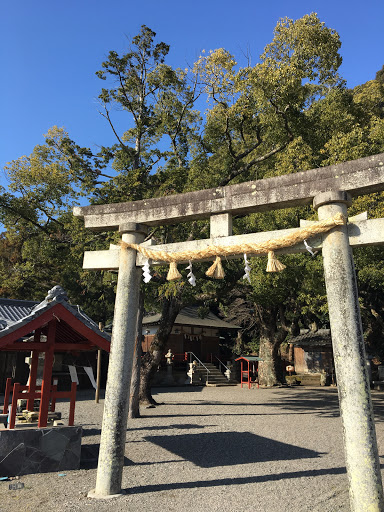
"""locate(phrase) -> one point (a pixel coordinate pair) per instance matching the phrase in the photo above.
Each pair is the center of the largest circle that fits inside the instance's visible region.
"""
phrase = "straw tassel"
(216, 270)
(173, 273)
(274, 265)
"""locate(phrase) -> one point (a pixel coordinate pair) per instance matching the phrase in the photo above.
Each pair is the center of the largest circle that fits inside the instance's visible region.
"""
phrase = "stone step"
(219, 384)
(215, 377)
(213, 372)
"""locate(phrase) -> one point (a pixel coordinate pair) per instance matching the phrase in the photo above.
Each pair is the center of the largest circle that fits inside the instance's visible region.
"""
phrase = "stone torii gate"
(330, 190)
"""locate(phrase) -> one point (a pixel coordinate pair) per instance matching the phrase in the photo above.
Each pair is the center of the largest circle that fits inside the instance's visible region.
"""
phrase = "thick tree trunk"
(270, 366)
(134, 398)
(271, 337)
(152, 359)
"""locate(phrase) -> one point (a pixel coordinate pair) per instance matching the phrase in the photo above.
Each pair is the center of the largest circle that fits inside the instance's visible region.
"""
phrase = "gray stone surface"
(357, 177)
(114, 428)
(350, 363)
(34, 450)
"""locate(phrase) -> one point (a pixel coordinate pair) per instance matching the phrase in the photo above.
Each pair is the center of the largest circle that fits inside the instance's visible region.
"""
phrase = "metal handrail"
(201, 363)
(221, 362)
(226, 367)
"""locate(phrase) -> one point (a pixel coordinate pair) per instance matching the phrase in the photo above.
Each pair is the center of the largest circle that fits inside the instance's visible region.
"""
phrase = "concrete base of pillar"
(92, 494)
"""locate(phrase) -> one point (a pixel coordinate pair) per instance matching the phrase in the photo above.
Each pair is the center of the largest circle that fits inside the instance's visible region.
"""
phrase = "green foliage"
(158, 101)
(257, 112)
(380, 75)
(301, 63)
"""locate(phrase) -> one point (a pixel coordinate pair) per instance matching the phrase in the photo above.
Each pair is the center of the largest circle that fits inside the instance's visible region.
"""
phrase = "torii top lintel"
(358, 177)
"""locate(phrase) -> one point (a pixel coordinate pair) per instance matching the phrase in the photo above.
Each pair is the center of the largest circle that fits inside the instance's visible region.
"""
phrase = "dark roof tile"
(189, 316)
(321, 337)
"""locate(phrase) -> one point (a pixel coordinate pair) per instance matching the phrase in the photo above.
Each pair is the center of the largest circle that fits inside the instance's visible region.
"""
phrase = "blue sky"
(50, 51)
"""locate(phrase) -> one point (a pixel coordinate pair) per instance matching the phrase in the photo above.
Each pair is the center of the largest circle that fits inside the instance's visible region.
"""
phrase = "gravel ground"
(212, 449)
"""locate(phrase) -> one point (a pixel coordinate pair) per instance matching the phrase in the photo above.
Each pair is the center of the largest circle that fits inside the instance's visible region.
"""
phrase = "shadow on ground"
(235, 481)
(323, 402)
(215, 449)
(179, 426)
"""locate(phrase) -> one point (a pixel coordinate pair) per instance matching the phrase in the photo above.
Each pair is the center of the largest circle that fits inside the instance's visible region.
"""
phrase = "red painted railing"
(22, 392)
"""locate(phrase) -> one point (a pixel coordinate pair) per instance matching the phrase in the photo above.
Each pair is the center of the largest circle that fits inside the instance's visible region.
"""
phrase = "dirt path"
(212, 449)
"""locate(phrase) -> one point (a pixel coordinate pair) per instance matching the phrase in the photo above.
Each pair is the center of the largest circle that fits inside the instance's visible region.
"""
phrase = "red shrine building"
(43, 331)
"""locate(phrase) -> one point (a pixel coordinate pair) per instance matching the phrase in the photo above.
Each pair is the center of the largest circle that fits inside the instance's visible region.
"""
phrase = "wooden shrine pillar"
(33, 371)
(47, 374)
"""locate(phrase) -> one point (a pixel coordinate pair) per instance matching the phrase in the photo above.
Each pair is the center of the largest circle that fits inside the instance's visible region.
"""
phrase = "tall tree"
(151, 153)
(258, 127)
(43, 244)
(158, 101)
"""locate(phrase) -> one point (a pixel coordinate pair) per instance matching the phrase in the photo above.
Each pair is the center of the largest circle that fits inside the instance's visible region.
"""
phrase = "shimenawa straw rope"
(217, 251)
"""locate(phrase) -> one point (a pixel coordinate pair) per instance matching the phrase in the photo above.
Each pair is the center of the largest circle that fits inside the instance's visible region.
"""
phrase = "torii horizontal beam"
(357, 177)
(360, 233)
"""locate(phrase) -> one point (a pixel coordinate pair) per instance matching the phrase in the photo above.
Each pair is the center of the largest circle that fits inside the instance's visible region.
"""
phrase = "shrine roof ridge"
(362, 176)
(190, 316)
(14, 317)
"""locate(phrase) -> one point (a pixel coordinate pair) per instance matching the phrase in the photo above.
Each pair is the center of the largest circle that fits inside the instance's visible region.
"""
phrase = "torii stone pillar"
(114, 428)
(362, 460)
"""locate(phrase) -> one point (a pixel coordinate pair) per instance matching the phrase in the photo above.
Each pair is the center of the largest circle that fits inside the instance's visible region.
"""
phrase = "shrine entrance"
(330, 191)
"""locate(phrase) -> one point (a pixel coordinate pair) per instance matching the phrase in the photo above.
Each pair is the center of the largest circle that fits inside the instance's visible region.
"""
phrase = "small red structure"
(57, 327)
(246, 374)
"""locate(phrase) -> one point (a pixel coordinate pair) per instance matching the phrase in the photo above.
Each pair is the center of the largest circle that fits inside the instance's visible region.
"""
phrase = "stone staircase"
(215, 377)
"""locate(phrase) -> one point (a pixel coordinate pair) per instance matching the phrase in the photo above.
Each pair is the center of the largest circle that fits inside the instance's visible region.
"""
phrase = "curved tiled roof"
(17, 313)
(12, 310)
(189, 316)
(320, 337)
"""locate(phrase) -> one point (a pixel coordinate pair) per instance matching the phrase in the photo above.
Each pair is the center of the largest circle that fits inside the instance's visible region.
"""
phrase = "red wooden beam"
(31, 326)
(42, 347)
(19, 392)
(23, 392)
(72, 404)
(77, 325)
(33, 373)
(27, 346)
(12, 419)
(73, 347)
